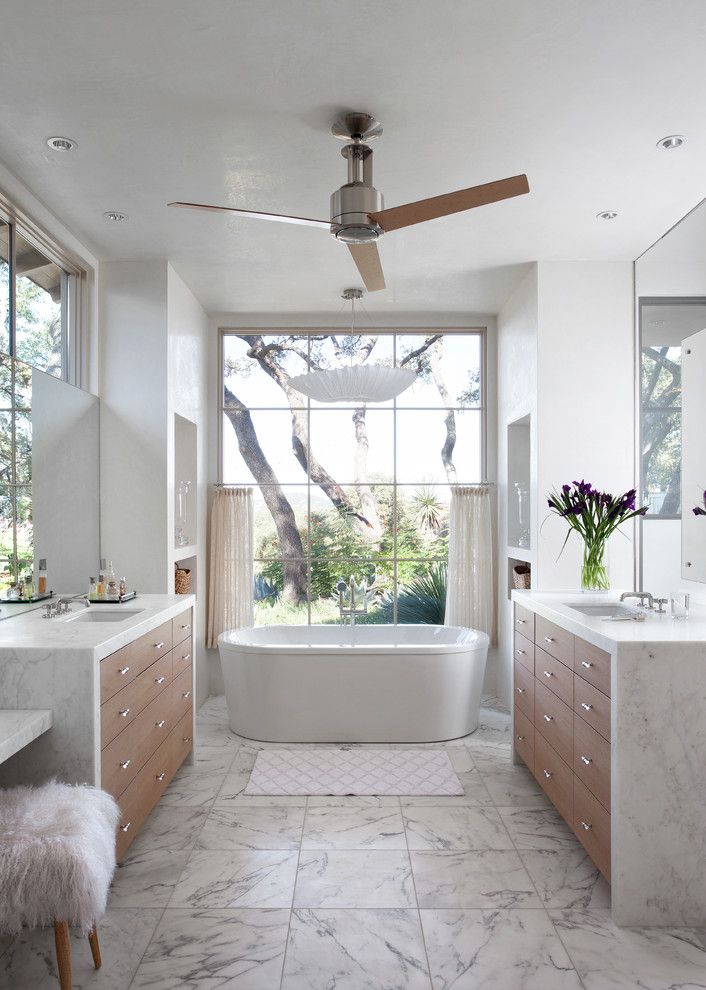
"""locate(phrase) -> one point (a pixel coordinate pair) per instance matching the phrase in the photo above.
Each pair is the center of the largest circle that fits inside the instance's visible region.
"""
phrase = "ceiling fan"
(358, 217)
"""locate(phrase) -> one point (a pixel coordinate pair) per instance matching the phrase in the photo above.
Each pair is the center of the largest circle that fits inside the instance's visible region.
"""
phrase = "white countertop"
(31, 631)
(657, 628)
(19, 728)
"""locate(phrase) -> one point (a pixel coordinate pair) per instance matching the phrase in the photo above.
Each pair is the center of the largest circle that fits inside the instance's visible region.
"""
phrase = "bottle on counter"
(92, 589)
(100, 588)
(42, 577)
(21, 588)
(13, 593)
(112, 591)
(123, 587)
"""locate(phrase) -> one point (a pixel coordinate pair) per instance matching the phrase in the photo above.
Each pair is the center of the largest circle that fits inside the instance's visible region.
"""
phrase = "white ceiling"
(230, 102)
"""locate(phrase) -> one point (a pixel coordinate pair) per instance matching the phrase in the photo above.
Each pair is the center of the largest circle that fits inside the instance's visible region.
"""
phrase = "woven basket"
(182, 581)
(522, 577)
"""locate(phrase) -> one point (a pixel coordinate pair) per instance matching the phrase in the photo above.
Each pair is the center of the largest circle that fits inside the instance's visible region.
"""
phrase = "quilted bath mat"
(353, 771)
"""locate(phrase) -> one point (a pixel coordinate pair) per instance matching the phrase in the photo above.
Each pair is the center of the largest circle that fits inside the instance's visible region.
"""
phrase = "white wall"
(586, 404)
(517, 397)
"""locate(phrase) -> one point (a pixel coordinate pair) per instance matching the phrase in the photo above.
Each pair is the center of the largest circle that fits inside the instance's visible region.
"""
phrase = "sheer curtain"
(470, 595)
(230, 579)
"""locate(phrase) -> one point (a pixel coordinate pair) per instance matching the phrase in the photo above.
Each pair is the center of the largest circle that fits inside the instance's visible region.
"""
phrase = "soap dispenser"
(112, 591)
(42, 577)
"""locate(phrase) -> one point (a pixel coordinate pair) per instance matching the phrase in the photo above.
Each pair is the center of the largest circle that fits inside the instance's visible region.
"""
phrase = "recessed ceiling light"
(671, 142)
(61, 144)
(607, 215)
(115, 216)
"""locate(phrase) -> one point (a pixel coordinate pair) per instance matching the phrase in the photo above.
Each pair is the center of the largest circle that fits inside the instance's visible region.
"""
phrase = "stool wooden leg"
(95, 947)
(62, 939)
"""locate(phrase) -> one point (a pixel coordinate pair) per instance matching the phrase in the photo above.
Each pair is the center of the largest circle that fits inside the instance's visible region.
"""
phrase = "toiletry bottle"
(20, 588)
(42, 577)
(92, 589)
(112, 592)
(101, 581)
(123, 587)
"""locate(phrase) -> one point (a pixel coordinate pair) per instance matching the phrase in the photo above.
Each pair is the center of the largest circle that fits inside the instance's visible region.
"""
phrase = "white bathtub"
(413, 683)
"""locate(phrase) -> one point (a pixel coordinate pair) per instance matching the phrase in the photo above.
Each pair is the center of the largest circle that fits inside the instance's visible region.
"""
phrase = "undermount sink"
(116, 615)
(607, 611)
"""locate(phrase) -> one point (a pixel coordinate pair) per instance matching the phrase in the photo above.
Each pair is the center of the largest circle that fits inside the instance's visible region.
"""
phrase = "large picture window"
(361, 491)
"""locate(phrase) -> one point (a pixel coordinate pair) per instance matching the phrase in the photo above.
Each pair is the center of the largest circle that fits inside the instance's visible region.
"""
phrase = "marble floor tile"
(204, 950)
(355, 950)
(248, 878)
(455, 828)
(475, 794)
(566, 878)
(244, 760)
(538, 828)
(488, 879)
(277, 827)
(124, 933)
(461, 759)
(170, 828)
(352, 801)
(196, 790)
(231, 794)
(147, 878)
(496, 950)
(353, 827)
(360, 878)
(512, 786)
(611, 958)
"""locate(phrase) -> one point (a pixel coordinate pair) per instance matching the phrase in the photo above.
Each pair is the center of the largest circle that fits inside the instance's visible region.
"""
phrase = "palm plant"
(423, 600)
(428, 510)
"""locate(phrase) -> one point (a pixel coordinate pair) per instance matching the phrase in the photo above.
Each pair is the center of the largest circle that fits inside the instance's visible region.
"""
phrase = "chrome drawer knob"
(548, 774)
(548, 639)
(548, 673)
(187, 626)
(520, 622)
(548, 718)
(520, 690)
(124, 670)
(162, 775)
(520, 738)
(586, 707)
(186, 694)
(158, 646)
(186, 738)
(186, 656)
(586, 825)
(125, 827)
(125, 712)
(160, 680)
(160, 724)
(520, 652)
(586, 760)
(125, 764)
(586, 664)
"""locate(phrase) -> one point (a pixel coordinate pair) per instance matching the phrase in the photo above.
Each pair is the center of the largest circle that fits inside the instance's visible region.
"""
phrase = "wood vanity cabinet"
(146, 720)
(561, 725)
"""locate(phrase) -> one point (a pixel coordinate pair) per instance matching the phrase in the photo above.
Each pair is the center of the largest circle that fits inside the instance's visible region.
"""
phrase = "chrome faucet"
(62, 606)
(350, 611)
(643, 596)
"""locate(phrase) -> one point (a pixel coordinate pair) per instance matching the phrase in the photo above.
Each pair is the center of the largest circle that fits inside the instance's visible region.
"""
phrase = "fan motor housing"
(350, 206)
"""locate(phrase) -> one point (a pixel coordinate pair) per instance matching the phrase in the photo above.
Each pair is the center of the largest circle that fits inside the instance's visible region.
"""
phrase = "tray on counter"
(127, 597)
(27, 601)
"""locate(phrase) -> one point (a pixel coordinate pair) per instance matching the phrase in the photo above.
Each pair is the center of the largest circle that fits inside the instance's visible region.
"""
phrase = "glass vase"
(594, 571)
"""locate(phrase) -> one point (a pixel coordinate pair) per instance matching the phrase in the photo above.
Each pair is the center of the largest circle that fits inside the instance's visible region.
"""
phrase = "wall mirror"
(49, 479)
(670, 282)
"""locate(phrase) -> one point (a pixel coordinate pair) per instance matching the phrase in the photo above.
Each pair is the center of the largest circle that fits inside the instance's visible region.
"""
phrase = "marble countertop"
(18, 728)
(657, 628)
(31, 631)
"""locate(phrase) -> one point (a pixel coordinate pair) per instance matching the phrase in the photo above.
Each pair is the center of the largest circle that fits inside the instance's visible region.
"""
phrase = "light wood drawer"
(120, 668)
(591, 824)
(555, 721)
(524, 651)
(144, 792)
(592, 664)
(181, 657)
(555, 675)
(181, 692)
(523, 690)
(181, 626)
(592, 705)
(554, 640)
(183, 740)
(125, 706)
(554, 776)
(592, 760)
(523, 736)
(524, 622)
(125, 756)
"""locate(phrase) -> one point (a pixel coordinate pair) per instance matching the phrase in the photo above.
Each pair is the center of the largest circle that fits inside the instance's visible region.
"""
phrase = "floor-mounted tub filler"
(368, 683)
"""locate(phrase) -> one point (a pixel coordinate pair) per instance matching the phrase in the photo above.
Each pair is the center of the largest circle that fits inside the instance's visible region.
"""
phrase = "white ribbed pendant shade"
(360, 383)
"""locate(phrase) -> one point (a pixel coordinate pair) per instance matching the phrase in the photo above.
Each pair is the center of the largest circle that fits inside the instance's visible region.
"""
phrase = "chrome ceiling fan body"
(358, 214)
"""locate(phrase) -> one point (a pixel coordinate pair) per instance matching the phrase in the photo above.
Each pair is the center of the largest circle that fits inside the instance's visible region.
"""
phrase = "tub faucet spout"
(349, 611)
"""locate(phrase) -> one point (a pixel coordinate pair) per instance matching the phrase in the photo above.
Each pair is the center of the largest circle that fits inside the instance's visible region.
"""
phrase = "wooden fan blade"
(254, 214)
(455, 202)
(367, 261)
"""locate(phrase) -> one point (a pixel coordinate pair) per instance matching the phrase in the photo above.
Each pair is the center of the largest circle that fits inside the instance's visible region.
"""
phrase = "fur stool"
(57, 856)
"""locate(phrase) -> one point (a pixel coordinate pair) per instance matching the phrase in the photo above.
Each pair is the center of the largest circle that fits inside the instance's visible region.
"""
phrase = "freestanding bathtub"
(384, 683)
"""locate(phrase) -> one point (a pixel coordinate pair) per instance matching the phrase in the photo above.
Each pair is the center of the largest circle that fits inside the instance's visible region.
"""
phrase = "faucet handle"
(659, 604)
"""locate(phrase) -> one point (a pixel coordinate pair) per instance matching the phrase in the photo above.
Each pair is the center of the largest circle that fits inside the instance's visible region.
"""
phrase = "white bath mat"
(353, 771)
